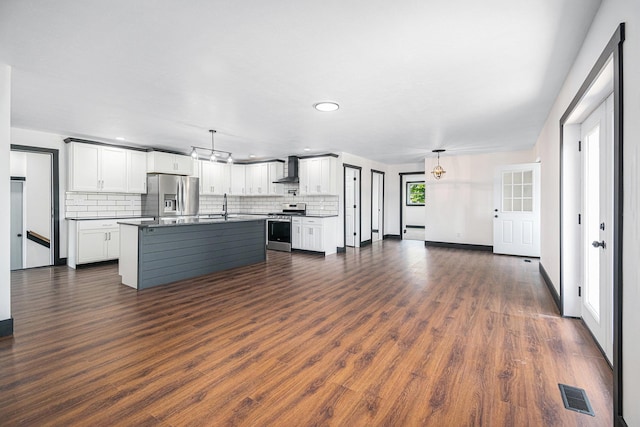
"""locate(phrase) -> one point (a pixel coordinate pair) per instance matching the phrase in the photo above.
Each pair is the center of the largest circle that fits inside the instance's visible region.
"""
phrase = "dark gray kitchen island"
(158, 252)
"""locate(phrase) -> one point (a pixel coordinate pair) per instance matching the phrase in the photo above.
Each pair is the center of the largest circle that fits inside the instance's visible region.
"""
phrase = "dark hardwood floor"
(394, 334)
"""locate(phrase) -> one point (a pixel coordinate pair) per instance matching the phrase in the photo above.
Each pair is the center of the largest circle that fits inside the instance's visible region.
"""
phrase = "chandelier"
(438, 171)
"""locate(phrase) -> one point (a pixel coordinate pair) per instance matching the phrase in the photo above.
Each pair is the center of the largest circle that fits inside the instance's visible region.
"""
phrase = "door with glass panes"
(516, 214)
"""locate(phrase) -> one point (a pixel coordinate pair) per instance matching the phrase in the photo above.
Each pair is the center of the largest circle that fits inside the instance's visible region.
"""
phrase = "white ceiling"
(410, 76)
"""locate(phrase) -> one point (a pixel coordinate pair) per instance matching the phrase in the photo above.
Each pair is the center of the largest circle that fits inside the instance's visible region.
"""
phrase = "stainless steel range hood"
(292, 172)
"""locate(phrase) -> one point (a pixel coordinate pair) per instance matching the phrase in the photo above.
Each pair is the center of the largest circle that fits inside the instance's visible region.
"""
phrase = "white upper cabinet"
(136, 171)
(259, 179)
(256, 179)
(176, 164)
(318, 175)
(97, 168)
(276, 171)
(83, 167)
(238, 180)
(215, 177)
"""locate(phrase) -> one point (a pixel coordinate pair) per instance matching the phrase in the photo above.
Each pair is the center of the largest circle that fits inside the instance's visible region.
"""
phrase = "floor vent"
(575, 399)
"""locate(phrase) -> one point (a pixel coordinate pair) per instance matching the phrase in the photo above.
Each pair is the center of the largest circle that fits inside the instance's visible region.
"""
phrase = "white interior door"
(351, 206)
(597, 225)
(17, 230)
(516, 216)
(377, 206)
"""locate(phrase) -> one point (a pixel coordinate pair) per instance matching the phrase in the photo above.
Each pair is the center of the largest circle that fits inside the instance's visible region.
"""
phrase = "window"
(517, 191)
(415, 193)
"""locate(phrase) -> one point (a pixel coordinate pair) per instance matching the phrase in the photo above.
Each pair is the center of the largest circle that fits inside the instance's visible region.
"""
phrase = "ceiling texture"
(468, 76)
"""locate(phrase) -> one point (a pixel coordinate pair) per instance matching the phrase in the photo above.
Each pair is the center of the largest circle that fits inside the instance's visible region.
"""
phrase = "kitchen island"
(158, 252)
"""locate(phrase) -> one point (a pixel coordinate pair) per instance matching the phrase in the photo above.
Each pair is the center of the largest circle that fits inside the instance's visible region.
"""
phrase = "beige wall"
(459, 207)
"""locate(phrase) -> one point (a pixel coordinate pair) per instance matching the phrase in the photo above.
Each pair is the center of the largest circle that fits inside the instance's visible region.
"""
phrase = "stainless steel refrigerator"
(171, 195)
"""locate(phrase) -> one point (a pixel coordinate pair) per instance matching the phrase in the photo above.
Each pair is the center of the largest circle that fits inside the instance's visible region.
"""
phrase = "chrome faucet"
(224, 206)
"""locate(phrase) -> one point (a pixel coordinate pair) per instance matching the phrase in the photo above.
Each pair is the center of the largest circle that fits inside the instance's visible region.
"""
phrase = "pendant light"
(213, 153)
(438, 171)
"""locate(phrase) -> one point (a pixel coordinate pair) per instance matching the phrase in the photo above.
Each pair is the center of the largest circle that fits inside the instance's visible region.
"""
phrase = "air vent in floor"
(575, 399)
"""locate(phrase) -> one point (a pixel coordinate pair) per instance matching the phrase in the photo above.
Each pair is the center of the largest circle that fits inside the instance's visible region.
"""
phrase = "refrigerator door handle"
(183, 197)
(179, 198)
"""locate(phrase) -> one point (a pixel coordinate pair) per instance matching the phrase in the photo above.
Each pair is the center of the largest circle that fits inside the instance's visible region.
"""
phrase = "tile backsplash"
(316, 205)
(96, 205)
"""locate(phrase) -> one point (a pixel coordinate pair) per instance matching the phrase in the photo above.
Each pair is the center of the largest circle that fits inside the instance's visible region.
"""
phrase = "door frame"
(612, 49)
(381, 203)
(344, 205)
(55, 196)
(402, 174)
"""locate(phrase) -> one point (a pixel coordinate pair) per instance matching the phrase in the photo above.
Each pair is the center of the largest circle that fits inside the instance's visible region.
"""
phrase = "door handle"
(19, 234)
(596, 244)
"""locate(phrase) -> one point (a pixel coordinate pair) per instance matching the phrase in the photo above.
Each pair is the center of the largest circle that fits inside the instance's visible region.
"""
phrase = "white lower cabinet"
(93, 241)
(314, 234)
(296, 233)
(98, 245)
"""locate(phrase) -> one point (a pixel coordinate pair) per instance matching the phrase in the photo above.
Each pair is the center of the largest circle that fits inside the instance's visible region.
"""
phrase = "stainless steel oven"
(279, 226)
(279, 232)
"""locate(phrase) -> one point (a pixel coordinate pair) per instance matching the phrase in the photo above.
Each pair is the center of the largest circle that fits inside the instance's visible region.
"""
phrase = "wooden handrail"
(38, 238)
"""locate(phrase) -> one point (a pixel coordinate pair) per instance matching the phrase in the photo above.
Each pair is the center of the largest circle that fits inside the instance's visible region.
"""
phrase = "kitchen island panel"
(169, 254)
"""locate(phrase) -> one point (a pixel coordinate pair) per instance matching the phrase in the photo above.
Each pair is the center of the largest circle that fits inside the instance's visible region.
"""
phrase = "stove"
(289, 210)
(279, 226)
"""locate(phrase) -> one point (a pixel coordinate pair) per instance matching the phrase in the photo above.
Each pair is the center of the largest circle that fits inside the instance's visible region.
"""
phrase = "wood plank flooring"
(394, 334)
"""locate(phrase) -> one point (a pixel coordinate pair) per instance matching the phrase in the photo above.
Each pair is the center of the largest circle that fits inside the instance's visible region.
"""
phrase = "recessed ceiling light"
(307, 149)
(326, 106)
(252, 156)
(119, 138)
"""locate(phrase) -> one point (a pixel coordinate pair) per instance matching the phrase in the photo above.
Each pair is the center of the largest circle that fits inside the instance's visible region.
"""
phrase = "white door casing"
(377, 206)
(516, 222)
(351, 204)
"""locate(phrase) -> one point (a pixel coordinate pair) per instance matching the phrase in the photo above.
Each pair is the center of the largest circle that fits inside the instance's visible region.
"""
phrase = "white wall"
(53, 141)
(459, 206)
(610, 15)
(5, 222)
(365, 188)
(18, 163)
